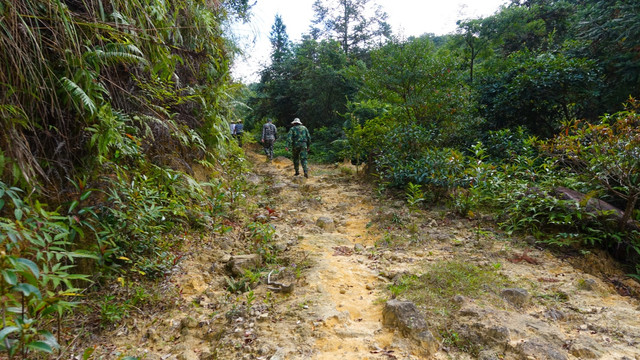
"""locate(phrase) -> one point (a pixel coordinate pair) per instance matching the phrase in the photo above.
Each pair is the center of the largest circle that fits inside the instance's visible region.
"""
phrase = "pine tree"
(280, 46)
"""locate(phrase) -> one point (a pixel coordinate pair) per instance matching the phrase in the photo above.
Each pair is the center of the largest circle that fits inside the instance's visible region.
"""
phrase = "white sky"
(407, 17)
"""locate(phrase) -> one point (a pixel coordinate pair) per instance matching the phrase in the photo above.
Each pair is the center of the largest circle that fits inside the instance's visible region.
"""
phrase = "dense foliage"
(464, 119)
(106, 107)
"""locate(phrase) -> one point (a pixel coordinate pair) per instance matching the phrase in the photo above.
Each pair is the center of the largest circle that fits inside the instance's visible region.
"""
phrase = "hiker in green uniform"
(299, 141)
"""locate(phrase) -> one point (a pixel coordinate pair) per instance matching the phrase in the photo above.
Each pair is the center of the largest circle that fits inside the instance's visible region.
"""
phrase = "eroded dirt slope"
(341, 248)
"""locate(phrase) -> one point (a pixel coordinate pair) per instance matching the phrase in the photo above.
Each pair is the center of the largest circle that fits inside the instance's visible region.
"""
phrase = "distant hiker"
(269, 136)
(237, 132)
(232, 127)
(299, 141)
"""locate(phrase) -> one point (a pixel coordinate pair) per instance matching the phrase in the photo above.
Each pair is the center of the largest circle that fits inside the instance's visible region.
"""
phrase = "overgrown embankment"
(108, 109)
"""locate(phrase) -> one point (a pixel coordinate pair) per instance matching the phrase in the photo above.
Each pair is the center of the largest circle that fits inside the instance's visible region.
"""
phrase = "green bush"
(36, 263)
(407, 157)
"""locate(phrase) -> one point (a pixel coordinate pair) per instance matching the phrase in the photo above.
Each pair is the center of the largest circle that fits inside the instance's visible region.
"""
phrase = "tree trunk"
(628, 211)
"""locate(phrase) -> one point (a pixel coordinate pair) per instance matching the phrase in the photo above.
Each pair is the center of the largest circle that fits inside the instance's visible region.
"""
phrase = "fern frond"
(113, 54)
(78, 95)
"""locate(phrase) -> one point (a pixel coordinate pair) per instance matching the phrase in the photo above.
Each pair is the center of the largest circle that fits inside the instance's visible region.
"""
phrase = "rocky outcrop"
(521, 335)
(404, 316)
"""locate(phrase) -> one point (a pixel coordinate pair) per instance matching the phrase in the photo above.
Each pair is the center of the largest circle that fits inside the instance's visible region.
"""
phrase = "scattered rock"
(253, 178)
(588, 284)
(459, 299)
(358, 248)
(488, 355)
(238, 264)
(188, 322)
(499, 334)
(532, 349)
(515, 296)
(555, 315)
(188, 355)
(206, 355)
(281, 246)
(585, 348)
(441, 237)
(471, 312)
(326, 223)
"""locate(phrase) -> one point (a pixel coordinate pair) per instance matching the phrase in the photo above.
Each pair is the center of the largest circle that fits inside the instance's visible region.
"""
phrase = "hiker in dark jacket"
(269, 136)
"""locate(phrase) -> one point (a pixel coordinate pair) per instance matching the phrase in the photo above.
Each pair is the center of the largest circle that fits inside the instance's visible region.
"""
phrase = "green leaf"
(40, 346)
(6, 331)
(31, 265)
(84, 254)
(18, 214)
(87, 353)
(73, 205)
(10, 277)
(85, 195)
(27, 290)
(49, 339)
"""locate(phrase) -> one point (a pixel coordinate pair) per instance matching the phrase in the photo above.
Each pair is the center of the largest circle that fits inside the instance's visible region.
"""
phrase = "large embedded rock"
(515, 296)
(404, 315)
(237, 265)
(326, 223)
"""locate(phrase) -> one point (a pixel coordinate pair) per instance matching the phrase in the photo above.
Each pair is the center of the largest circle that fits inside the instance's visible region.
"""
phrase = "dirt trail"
(343, 304)
(331, 232)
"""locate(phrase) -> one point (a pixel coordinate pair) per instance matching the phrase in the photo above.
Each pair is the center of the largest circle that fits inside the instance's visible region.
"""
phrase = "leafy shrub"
(36, 262)
(608, 152)
(262, 236)
(507, 143)
(406, 157)
(521, 193)
(141, 209)
(328, 145)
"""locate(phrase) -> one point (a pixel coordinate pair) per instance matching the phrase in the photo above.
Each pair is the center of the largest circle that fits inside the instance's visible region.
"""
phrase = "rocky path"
(338, 306)
(340, 249)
